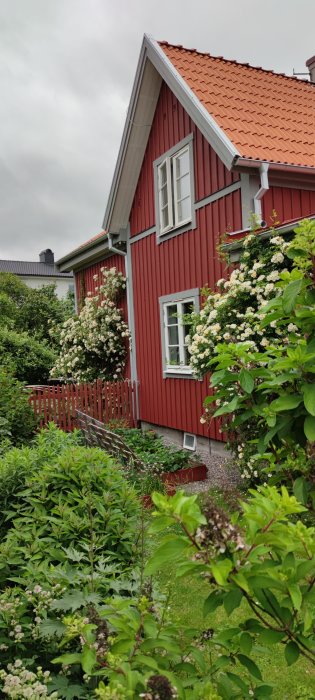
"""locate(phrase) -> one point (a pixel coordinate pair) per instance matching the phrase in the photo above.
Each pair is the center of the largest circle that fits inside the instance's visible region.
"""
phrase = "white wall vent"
(189, 442)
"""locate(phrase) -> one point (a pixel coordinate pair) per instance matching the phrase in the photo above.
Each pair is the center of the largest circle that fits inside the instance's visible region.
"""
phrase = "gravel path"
(222, 474)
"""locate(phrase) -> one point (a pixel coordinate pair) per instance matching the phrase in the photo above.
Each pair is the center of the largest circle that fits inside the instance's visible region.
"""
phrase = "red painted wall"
(186, 261)
(171, 124)
(85, 283)
(288, 203)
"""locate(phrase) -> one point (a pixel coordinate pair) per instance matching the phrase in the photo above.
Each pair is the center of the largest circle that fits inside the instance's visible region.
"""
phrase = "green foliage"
(16, 416)
(17, 465)
(259, 556)
(29, 359)
(233, 311)
(152, 451)
(68, 535)
(31, 310)
(270, 394)
(64, 502)
(93, 344)
(26, 316)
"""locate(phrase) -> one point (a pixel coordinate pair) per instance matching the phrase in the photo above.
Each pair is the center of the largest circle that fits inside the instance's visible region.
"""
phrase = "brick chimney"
(47, 256)
(311, 67)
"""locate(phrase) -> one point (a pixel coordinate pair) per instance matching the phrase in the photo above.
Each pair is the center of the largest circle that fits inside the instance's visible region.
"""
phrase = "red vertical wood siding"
(85, 282)
(288, 203)
(189, 260)
(186, 261)
(170, 125)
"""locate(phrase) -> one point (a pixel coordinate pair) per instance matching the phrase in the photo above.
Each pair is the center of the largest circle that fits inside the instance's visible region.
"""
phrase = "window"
(174, 188)
(175, 328)
(189, 442)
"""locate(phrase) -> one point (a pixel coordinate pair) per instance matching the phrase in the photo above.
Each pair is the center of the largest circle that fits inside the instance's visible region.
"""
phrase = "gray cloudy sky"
(66, 72)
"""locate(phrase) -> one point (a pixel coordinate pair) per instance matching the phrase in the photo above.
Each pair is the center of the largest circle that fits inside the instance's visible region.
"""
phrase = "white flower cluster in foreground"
(94, 343)
(19, 683)
(232, 314)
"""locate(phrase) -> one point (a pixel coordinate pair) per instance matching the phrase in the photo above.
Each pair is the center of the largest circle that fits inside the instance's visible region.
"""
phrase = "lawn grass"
(296, 682)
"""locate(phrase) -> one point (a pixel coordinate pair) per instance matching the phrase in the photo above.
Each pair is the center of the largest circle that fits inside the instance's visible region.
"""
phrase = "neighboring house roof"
(267, 116)
(248, 115)
(32, 269)
(86, 253)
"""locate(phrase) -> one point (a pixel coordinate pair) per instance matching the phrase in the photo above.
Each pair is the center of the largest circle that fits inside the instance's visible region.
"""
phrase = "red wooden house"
(207, 141)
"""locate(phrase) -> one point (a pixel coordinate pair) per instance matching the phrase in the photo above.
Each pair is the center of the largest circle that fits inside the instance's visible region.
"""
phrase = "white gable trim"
(153, 67)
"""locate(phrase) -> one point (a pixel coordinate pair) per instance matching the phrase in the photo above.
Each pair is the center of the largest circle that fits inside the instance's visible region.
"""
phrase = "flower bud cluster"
(19, 683)
(218, 535)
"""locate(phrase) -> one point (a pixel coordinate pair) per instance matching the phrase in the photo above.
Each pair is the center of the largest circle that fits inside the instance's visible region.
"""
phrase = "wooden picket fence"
(105, 401)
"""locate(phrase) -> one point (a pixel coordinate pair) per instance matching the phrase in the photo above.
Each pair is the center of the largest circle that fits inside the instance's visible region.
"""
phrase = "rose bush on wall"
(233, 312)
(94, 344)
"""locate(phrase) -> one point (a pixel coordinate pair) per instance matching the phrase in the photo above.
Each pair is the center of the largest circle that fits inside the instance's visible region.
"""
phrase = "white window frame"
(178, 300)
(178, 221)
(169, 204)
(186, 446)
(168, 159)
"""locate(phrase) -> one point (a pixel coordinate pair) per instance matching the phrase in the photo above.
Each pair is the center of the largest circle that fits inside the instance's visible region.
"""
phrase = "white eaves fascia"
(151, 50)
(198, 113)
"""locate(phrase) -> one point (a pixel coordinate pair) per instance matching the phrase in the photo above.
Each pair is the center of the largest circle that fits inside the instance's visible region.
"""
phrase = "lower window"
(175, 328)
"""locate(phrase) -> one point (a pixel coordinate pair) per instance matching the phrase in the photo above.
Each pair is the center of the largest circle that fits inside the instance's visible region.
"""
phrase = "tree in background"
(26, 315)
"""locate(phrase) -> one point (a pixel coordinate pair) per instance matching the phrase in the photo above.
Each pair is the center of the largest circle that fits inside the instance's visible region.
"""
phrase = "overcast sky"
(66, 73)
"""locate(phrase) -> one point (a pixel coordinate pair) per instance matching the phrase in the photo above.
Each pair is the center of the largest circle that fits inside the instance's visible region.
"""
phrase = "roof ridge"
(238, 63)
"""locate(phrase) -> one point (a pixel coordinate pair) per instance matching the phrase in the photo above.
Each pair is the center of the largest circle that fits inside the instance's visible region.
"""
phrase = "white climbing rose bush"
(94, 343)
(232, 312)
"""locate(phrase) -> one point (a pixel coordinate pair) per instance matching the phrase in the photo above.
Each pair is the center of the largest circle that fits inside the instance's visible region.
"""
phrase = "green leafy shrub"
(19, 464)
(17, 418)
(30, 359)
(152, 451)
(79, 497)
(268, 396)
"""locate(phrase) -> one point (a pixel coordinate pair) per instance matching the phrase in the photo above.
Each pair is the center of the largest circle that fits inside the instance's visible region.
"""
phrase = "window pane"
(165, 219)
(173, 335)
(184, 209)
(186, 355)
(174, 356)
(182, 163)
(172, 318)
(163, 195)
(163, 174)
(188, 307)
(183, 187)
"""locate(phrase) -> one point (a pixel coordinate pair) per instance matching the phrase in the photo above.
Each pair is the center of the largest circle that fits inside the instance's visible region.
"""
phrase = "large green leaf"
(295, 595)
(232, 600)
(168, 551)
(212, 602)
(309, 398)
(88, 659)
(291, 653)
(229, 408)
(300, 489)
(250, 665)
(290, 295)
(286, 403)
(309, 428)
(246, 381)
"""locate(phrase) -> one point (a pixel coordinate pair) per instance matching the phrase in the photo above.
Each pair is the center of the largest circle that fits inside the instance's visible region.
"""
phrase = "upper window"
(175, 328)
(174, 180)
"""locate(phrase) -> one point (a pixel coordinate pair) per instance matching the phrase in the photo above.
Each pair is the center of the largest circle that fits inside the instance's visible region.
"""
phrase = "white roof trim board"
(153, 67)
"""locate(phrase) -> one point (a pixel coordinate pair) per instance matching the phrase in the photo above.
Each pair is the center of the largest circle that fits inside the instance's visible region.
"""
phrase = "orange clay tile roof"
(267, 116)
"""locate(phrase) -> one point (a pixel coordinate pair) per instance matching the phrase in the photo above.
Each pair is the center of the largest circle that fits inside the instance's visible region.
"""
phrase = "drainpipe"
(131, 319)
(264, 186)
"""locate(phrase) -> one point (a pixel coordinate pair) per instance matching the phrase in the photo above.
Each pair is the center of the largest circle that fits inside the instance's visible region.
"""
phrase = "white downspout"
(264, 186)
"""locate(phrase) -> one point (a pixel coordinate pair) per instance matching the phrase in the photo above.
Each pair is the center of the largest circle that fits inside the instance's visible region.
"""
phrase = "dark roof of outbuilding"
(32, 269)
